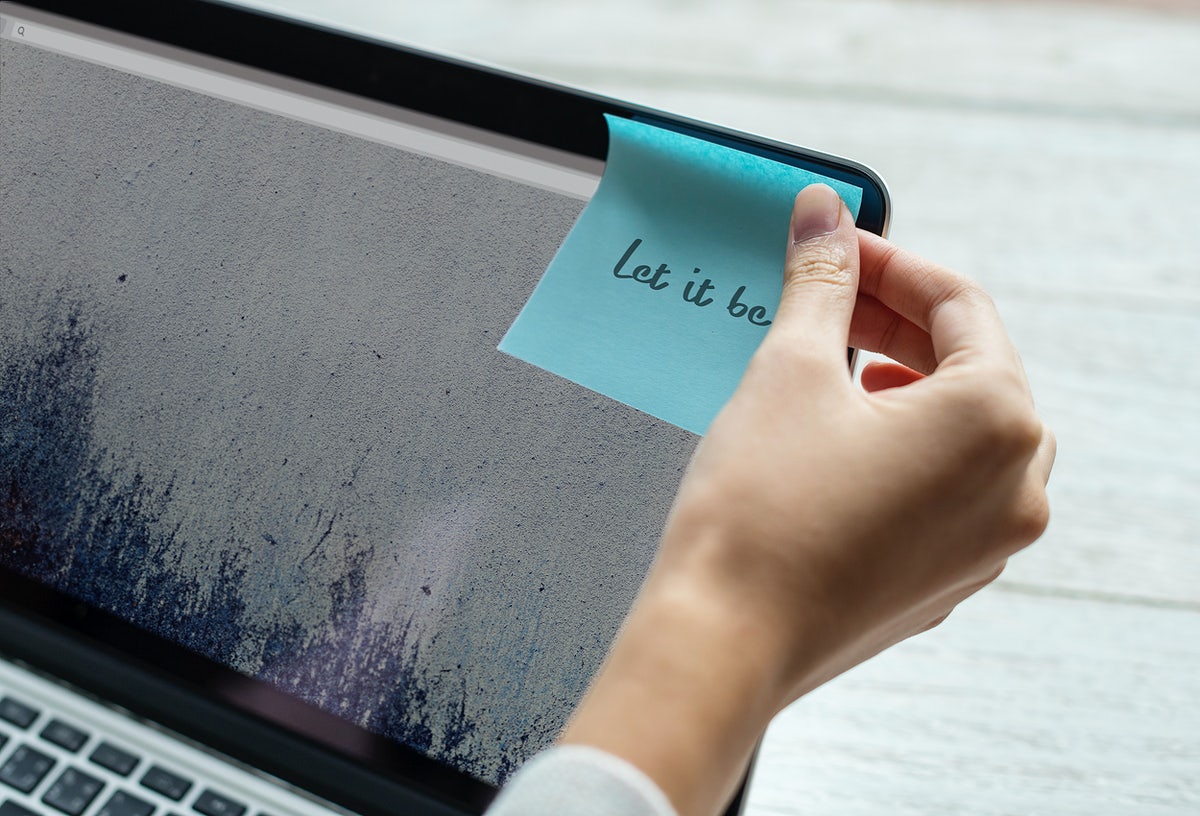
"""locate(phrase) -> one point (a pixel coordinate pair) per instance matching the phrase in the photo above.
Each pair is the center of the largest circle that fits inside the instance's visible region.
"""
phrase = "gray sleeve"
(575, 780)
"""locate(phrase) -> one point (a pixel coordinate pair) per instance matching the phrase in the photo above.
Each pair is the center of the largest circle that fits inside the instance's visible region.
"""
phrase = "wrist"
(686, 692)
(784, 595)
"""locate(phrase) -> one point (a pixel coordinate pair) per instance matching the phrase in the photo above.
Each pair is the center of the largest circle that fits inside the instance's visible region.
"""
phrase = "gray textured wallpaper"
(250, 399)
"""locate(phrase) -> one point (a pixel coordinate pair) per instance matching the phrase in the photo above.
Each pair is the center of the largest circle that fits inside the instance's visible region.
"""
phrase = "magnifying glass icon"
(20, 31)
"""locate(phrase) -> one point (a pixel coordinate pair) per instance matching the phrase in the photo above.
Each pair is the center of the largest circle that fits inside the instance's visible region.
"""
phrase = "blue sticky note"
(664, 287)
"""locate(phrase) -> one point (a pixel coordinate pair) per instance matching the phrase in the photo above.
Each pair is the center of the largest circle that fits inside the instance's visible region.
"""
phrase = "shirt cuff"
(577, 780)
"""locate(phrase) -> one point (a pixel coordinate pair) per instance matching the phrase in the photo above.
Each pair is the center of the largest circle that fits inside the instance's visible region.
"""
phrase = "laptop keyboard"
(57, 758)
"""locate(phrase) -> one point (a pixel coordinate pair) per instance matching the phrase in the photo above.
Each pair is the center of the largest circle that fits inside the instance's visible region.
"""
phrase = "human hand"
(820, 523)
(843, 519)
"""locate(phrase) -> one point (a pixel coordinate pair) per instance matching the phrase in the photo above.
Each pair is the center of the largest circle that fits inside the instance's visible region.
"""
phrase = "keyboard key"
(125, 804)
(214, 804)
(10, 808)
(17, 713)
(3, 740)
(72, 792)
(170, 785)
(117, 760)
(25, 768)
(64, 736)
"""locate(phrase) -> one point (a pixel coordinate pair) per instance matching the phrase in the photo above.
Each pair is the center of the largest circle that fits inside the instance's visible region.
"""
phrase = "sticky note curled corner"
(665, 286)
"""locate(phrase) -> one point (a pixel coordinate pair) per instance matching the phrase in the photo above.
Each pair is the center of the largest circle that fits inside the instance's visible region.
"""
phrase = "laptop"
(281, 530)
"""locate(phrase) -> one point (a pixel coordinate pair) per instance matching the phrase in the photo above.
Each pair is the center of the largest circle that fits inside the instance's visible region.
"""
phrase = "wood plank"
(1018, 704)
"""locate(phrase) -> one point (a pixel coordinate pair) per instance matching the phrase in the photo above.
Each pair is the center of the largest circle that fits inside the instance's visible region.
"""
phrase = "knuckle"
(1007, 425)
(1032, 520)
(1020, 434)
(987, 575)
(962, 289)
(821, 262)
(972, 292)
(977, 294)
(1050, 442)
(933, 624)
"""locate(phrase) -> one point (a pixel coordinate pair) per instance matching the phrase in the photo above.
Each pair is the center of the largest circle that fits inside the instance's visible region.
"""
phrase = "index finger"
(957, 313)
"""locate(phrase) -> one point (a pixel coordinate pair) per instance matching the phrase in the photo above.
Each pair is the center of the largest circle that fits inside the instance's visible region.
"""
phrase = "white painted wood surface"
(1052, 150)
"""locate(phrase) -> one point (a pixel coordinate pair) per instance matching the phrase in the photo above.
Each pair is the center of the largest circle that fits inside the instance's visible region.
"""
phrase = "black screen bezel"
(103, 654)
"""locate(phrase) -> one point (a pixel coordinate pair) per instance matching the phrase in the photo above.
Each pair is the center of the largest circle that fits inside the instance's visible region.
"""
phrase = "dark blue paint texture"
(70, 523)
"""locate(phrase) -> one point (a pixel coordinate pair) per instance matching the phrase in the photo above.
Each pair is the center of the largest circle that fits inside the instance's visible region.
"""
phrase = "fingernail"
(818, 211)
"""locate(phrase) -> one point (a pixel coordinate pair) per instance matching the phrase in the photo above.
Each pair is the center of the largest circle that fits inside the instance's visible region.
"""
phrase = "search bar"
(19, 30)
(11, 28)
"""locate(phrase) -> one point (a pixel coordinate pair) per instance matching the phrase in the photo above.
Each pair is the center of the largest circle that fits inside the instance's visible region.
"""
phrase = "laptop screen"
(262, 465)
(251, 399)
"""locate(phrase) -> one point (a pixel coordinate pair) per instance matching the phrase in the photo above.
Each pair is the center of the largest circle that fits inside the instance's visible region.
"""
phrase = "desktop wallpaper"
(250, 400)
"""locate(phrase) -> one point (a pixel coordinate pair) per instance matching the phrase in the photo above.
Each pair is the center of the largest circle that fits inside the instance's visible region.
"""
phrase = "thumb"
(820, 275)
